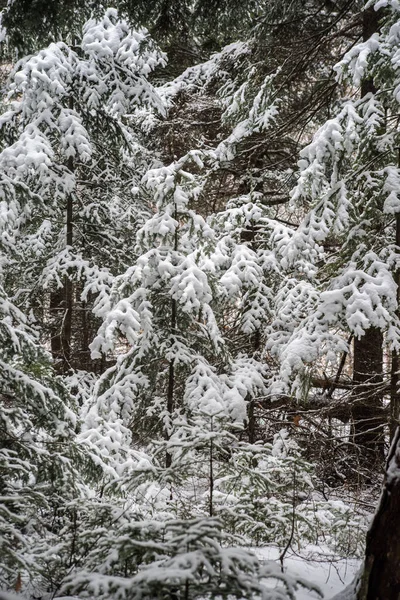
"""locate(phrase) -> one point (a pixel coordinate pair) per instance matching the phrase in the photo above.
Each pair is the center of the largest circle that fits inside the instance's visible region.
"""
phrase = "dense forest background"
(199, 297)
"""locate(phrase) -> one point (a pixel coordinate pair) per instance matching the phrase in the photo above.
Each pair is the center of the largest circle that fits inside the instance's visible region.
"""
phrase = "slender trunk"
(68, 286)
(342, 363)
(251, 419)
(170, 389)
(248, 235)
(61, 300)
(56, 312)
(171, 370)
(85, 339)
(61, 306)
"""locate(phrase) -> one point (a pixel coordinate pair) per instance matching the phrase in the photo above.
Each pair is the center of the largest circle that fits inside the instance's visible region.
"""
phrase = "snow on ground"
(332, 576)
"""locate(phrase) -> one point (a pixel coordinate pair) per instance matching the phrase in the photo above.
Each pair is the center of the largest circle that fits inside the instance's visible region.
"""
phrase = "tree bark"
(62, 300)
(367, 402)
(56, 311)
(66, 334)
(368, 421)
(171, 369)
(171, 387)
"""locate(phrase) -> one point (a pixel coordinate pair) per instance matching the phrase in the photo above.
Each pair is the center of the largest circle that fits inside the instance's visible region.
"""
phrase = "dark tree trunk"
(367, 414)
(248, 235)
(170, 402)
(171, 369)
(251, 417)
(56, 312)
(381, 577)
(68, 289)
(62, 300)
(367, 402)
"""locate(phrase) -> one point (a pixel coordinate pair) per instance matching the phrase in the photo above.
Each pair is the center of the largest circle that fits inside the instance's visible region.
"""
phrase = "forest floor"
(332, 576)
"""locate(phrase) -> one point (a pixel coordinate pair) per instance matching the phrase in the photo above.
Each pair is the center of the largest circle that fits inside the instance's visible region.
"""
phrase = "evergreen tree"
(161, 307)
(349, 174)
(71, 207)
(41, 465)
(30, 24)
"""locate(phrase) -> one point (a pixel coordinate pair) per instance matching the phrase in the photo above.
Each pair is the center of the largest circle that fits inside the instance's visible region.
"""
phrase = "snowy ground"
(331, 576)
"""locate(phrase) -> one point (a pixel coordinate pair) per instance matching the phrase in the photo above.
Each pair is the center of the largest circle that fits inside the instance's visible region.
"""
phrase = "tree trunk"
(381, 576)
(68, 288)
(368, 428)
(247, 235)
(56, 311)
(367, 401)
(171, 369)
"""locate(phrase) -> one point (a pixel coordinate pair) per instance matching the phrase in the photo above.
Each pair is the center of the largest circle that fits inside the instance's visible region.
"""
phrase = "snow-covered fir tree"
(73, 161)
(348, 241)
(41, 464)
(161, 308)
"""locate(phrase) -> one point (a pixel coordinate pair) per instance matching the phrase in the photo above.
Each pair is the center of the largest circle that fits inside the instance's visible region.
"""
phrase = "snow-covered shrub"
(183, 559)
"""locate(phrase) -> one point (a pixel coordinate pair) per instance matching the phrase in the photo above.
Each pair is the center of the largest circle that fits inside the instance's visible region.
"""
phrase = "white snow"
(332, 577)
